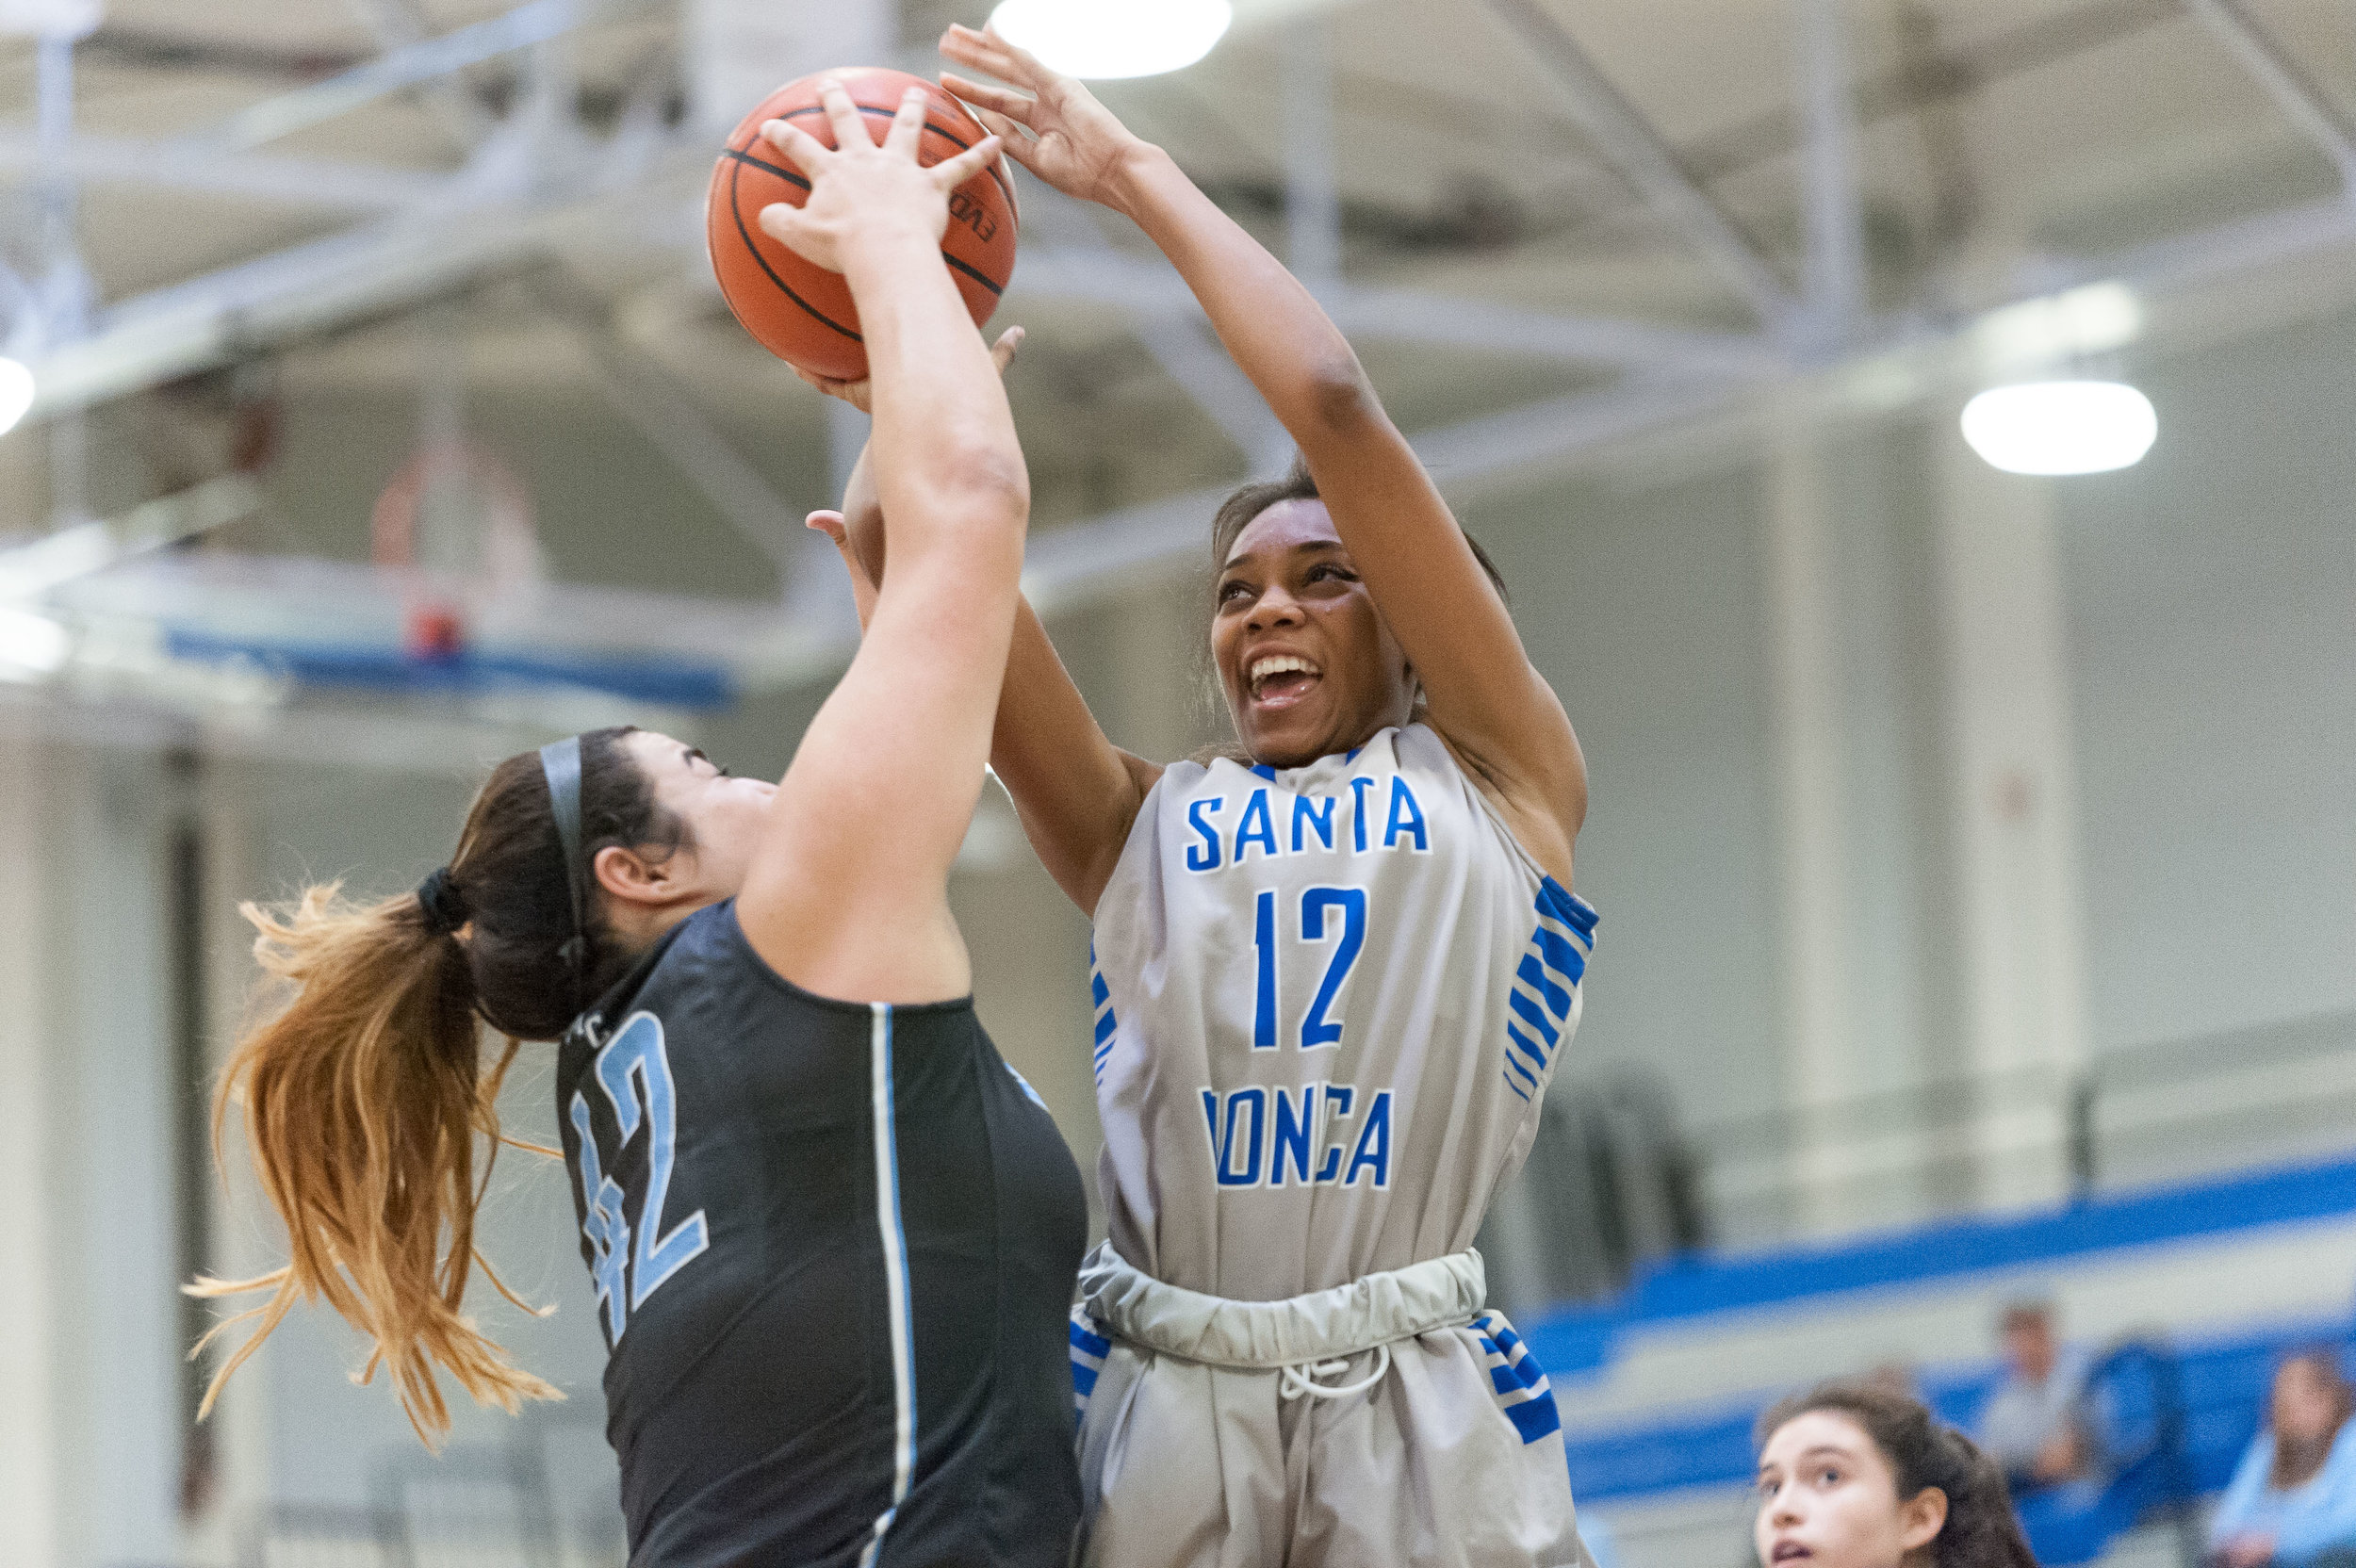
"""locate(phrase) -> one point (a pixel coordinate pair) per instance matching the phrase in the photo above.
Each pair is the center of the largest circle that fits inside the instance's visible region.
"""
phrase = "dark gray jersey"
(1328, 1000)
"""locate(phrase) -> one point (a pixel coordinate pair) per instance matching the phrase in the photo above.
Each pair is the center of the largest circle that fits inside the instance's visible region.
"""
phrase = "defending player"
(1334, 974)
(833, 1241)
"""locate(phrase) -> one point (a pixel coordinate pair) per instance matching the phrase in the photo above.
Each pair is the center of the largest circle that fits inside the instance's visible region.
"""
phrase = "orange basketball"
(802, 313)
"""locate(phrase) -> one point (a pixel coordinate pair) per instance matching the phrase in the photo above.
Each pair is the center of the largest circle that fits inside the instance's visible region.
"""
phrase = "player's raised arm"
(1485, 698)
(1075, 792)
(847, 894)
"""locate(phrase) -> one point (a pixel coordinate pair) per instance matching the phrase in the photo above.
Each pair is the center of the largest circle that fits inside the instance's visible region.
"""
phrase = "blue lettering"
(635, 1063)
(1406, 815)
(1293, 1128)
(1264, 835)
(1254, 1100)
(606, 1228)
(1320, 821)
(1374, 1144)
(1337, 1098)
(1358, 787)
(1196, 812)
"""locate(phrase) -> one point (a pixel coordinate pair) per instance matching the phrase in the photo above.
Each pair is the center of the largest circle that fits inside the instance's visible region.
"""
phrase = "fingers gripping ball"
(799, 311)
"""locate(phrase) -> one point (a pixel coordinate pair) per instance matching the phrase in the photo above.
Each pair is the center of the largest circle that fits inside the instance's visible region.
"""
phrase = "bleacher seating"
(2178, 1399)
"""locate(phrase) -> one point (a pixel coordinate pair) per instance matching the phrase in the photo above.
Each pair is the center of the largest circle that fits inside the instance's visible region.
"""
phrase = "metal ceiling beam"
(319, 183)
(1135, 284)
(537, 21)
(2293, 91)
(1833, 276)
(1628, 141)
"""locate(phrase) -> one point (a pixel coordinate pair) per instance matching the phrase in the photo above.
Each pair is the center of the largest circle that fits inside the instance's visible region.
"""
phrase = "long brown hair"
(365, 1095)
(1981, 1530)
(2296, 1462)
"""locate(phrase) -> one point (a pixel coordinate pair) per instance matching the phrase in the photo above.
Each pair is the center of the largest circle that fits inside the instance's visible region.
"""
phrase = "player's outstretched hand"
(1058, 131)
(859, 190)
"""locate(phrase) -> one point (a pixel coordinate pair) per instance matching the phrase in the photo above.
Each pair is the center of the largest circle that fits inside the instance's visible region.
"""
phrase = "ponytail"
(363, 1100)
(1981, 1530)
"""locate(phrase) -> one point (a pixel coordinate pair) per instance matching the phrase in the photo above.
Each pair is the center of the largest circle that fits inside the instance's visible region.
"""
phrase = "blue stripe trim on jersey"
(1513, 1037)
(1569, 908)
(1265, 771)
(1561, 954)
(1095, 1345)
(1534, 1418)
(1097, 989)
(1557, 1001)
(1536, 1017)
(1105, 1027)
(1084, 1377)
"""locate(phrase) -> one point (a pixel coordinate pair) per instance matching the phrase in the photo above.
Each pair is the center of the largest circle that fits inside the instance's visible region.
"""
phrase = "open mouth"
(1281, 680)
(1789, 1551)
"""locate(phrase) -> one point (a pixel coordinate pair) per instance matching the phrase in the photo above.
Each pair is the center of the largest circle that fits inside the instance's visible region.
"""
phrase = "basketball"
(800, 312)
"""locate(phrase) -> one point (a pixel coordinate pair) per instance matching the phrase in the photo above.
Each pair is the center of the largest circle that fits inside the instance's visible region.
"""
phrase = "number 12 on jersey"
(1327, 915)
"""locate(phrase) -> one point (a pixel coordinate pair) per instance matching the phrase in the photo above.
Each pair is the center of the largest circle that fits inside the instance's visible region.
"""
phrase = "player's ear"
(632, 877)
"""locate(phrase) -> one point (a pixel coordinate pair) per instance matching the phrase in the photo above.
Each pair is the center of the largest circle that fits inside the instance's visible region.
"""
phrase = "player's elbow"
(982, 484)
(1335, 398)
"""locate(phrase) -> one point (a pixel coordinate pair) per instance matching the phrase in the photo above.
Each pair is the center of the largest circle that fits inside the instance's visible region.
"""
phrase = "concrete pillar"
(2021, 932)
(1812, 811)
(115, 1252)
(29, 1534)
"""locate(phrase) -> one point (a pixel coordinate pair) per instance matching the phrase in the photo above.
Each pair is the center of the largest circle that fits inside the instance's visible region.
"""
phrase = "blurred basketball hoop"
(454, 526)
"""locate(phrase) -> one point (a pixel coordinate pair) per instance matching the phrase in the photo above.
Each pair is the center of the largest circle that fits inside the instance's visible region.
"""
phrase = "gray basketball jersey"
(1328, 1001)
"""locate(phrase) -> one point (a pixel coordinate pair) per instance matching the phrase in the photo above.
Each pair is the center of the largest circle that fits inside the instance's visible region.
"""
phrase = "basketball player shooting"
(1335, 970)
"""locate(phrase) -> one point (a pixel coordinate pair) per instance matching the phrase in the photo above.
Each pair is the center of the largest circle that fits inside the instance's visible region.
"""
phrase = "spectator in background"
(1853, 1476)
(2292, 1502)
(2036, 1424)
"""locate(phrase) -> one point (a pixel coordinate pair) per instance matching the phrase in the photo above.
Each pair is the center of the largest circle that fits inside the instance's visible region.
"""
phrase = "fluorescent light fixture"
(1106, 38)
(29, 644)
(16, 392)
(2061, 426)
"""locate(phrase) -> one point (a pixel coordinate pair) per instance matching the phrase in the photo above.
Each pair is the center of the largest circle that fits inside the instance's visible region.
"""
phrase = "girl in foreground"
(832, 1236)
(1335, 972)
(1856, 1476)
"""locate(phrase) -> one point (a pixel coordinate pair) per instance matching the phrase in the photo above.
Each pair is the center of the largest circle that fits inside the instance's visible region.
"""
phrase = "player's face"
(1307, 663)
(1827, 1499)
(725, 815)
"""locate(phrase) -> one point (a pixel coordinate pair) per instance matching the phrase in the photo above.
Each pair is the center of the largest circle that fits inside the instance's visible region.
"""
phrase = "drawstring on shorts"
(1298, 1379)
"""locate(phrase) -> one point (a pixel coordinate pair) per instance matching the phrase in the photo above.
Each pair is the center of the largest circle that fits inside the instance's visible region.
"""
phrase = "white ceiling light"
(2061, 426)
(1105, 38)
(31, 645)
(16, 392)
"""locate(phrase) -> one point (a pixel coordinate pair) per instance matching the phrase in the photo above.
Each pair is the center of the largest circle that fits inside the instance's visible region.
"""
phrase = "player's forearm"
(1073, 791)
(1272, 326)
(943, 453)
(862, 514)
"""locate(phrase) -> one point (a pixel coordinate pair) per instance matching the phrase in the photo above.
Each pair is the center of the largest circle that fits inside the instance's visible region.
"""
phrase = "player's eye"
(1231, 590)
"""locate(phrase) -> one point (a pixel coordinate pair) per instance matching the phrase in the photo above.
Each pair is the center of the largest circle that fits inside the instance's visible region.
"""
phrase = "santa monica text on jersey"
(1271, 1135)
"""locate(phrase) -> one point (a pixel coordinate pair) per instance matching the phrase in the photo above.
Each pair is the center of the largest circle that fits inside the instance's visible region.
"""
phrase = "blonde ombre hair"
(364, 1097)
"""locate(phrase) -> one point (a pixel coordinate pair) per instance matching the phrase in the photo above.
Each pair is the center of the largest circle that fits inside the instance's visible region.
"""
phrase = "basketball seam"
(736, 210)
(997, 290)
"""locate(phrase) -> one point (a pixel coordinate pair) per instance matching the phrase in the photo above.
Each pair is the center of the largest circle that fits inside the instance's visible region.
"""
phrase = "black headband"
(560, 761)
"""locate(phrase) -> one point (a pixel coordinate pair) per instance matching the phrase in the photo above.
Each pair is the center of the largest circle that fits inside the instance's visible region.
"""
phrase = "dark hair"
(1236, 512)
(2296, 1462)
(1981, 1530)
(365, 1094)
(2027, 1314)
